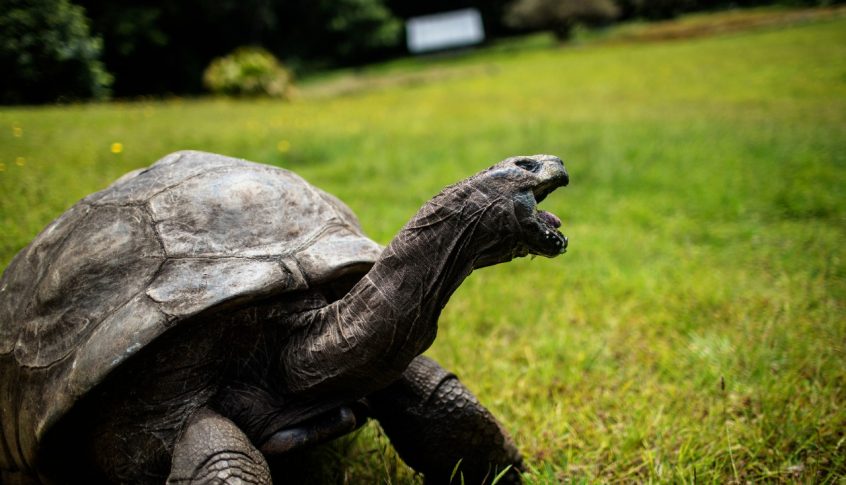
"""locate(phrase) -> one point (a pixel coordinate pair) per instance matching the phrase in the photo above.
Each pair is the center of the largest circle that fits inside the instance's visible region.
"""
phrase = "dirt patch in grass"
(360, 83)
(721, 23)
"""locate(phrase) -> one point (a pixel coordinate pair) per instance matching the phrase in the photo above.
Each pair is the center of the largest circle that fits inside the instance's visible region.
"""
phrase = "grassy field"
(695, 331)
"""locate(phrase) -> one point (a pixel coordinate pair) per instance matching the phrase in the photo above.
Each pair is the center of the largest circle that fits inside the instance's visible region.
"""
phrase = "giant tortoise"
(205, 314)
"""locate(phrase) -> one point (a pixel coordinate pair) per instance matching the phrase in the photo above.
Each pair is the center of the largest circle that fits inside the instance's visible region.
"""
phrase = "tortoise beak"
(551, 175)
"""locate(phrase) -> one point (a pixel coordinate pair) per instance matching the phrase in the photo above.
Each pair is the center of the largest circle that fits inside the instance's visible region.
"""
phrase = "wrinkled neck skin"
(365, 340)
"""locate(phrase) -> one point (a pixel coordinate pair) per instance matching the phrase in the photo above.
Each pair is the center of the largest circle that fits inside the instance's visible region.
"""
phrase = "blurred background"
(696, 329)
(61, 50)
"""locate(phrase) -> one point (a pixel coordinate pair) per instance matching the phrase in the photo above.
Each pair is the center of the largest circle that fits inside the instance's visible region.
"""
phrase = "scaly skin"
(212, 450)
(434, 422)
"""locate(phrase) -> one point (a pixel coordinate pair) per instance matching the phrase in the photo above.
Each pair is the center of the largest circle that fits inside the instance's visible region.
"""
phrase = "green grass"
(695, 331)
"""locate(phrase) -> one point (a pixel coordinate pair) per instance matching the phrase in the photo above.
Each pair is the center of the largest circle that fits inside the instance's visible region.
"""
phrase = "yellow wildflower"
(117, 147)
(283, 146)
(20, 161)
(17, 131)
(2, 167)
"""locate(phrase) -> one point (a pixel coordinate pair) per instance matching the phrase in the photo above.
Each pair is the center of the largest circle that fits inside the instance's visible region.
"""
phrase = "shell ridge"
(94, 199)
(114, 204)
(58, 360)
(155, 225)
(211, 257)
(292, 267)
(301, 272)
(304, 244)
(177, 184)
(333, 202)
(314, 236)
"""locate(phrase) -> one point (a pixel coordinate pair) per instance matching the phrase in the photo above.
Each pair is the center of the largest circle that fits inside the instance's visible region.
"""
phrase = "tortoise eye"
(528, 164)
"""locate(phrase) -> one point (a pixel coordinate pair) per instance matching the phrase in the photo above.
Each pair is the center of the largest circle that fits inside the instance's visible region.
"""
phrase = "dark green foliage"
(560, 16)
(48, 54)
(659, 9)
(360, 26)
(163, 47)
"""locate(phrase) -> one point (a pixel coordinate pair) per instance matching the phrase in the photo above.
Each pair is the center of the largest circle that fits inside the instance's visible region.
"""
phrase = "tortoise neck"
(365, 340)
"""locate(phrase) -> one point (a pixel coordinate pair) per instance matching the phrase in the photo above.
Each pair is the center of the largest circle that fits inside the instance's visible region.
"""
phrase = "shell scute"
(185, 287)
(28, 268)
(111, 254)
(249, 212)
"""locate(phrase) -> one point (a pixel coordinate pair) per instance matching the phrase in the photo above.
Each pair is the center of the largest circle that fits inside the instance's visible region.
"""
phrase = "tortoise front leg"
(212, 449)
(433, 421)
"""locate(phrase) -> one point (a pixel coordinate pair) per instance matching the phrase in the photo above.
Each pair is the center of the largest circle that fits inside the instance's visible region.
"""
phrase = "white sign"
(444, 30)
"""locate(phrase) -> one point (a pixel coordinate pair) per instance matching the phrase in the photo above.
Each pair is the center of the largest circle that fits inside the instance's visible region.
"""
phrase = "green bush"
(248, 71)
(48, 54)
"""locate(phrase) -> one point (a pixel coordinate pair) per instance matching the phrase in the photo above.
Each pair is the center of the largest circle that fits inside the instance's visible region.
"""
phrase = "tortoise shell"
(193, 232)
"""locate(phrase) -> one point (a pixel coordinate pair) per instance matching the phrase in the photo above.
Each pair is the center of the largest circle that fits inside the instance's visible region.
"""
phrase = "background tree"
(158, 46)
(360, 26)
(47, 53)
(560, 16)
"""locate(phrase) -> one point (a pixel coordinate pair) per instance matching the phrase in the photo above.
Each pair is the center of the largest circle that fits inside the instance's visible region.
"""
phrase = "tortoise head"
(500, 209)
(521, 183)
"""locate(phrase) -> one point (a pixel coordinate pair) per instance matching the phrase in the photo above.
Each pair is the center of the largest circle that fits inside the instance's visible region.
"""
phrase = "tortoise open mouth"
(550, 241)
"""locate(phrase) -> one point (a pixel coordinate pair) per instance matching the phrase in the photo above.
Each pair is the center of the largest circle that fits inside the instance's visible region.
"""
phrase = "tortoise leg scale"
(213, 450)
(434, 421)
